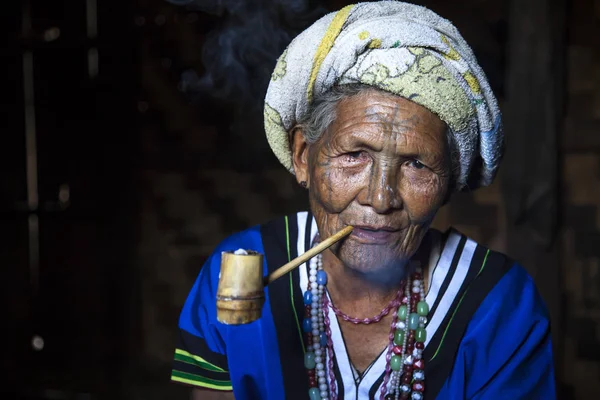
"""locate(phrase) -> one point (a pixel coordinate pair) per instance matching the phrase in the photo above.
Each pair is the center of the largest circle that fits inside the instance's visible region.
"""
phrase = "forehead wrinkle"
(355, 129)
(393, 125)
(377, 122)
(375, 136)
(380, 124)
(395, 111)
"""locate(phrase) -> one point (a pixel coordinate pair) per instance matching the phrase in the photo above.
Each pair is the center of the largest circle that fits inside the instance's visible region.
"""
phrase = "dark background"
(132, 144)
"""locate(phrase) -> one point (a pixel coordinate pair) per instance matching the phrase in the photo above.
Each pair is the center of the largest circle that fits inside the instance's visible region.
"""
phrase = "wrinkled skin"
(384, 162)
(383, 167)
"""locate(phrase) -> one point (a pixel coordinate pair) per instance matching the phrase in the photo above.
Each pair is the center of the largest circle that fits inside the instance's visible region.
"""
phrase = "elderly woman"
(381, 112)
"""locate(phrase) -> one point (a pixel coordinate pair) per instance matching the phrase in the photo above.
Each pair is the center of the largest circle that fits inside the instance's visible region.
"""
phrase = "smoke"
(239, 56)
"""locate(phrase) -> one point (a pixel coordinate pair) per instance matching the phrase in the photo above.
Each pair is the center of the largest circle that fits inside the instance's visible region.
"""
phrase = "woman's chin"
(372, 262)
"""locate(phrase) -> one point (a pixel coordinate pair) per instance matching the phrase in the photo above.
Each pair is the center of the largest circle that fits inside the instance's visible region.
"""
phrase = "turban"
(399, 48)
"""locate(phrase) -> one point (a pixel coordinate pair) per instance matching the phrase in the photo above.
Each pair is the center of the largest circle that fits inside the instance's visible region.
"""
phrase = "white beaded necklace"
(404, 375)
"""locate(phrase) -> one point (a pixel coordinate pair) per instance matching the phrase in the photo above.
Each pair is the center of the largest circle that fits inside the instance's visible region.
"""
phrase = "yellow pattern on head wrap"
(451, 54)
(400, 48)
(334, 29)
(375, 44)
(472, 82)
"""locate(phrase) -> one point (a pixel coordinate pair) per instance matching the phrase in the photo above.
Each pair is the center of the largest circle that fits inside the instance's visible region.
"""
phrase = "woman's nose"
(382, 192)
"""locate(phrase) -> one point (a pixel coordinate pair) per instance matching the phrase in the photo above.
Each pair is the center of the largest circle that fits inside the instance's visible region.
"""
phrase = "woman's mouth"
(373, 234)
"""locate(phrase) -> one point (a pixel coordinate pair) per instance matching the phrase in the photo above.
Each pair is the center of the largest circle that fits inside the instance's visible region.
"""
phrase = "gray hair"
(323, 112)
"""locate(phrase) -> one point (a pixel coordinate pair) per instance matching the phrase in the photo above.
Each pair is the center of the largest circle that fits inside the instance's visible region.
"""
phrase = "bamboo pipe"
(296, 262)
(241, 294)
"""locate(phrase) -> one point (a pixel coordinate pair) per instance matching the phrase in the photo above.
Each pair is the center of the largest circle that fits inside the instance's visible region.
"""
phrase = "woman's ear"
(300, 156)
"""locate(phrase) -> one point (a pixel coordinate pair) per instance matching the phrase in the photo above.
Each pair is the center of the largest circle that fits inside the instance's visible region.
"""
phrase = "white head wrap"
(400, 48)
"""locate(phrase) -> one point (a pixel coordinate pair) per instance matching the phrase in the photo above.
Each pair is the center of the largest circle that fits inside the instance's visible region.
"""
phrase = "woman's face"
(383, 167)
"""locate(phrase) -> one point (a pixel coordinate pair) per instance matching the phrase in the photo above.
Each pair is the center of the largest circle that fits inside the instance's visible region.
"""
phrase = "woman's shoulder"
(493, 277)
(251, 238)
(276, 235)
(517, 294)
(515, 288)
(246, 239)
(499, 328)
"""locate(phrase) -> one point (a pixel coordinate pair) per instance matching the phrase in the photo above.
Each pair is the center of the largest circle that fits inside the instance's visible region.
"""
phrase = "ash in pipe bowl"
(240, 294)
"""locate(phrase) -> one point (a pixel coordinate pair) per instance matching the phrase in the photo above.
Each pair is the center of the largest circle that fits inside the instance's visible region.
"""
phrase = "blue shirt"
(488, 329)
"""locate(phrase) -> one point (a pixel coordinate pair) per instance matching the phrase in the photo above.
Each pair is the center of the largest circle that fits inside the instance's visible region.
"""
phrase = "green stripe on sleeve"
(197, 363)
(184, 356)
(197, 380)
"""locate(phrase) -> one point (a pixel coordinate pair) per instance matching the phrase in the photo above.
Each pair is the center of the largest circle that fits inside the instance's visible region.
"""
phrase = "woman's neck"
(362, 292)
(348, 285)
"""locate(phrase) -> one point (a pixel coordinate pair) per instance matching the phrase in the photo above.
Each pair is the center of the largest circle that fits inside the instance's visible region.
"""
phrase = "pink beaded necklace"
(404, 373)
(394, 303)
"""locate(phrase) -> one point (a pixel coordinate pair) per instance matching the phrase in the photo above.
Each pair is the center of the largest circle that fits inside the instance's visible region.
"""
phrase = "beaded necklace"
(404, 372)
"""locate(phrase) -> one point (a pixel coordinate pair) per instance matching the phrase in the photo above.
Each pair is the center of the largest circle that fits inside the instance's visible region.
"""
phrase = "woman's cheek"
(334, 189)
(424, 182)
(423, 195)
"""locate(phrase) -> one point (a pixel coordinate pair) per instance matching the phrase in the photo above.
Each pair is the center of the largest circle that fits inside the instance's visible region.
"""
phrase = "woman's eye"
(416, 164)
(354, 155)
